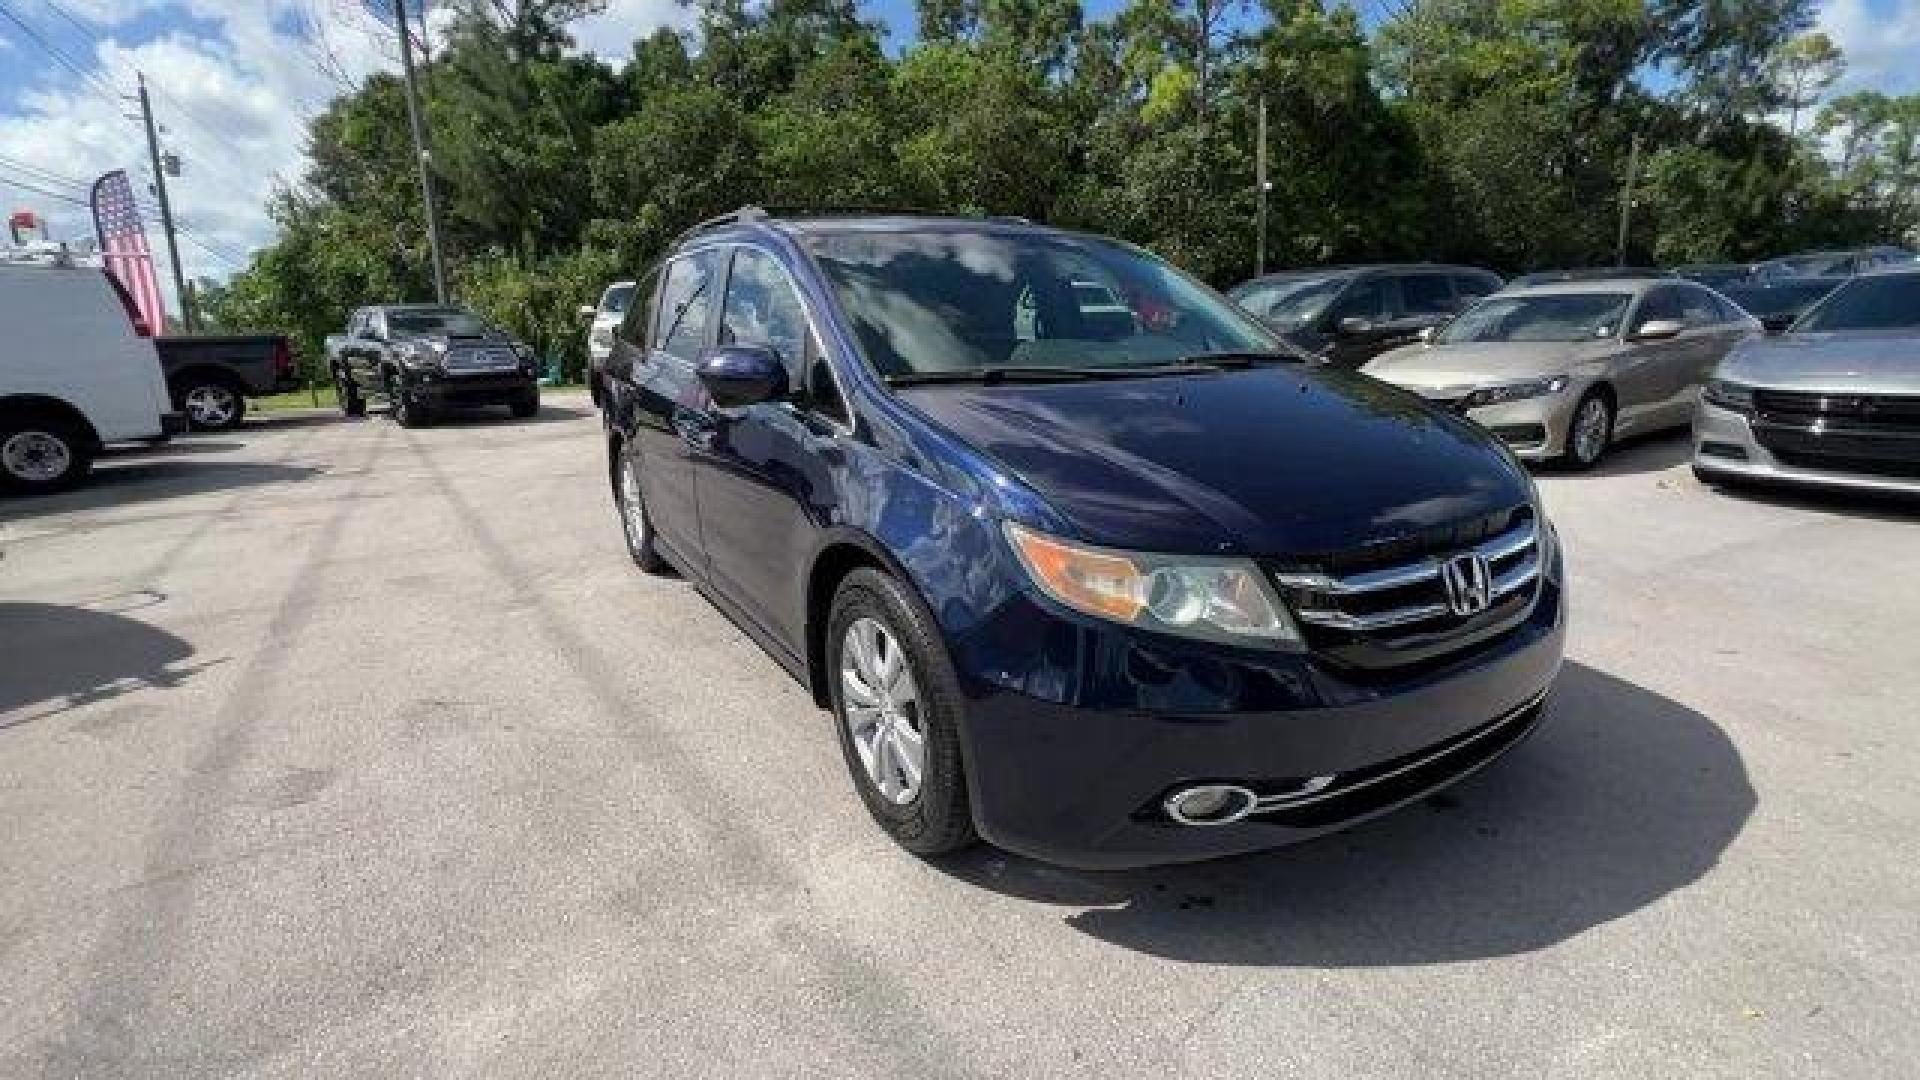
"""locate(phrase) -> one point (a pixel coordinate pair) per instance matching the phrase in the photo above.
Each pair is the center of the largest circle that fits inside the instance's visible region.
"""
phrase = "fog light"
(1210, 804)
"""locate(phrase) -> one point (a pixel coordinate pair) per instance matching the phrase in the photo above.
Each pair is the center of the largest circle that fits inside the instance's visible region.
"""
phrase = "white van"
(76, 372)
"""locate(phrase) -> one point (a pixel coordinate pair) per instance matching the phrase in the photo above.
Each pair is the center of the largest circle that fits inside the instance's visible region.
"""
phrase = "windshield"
(1868, 303)
(451, 323)
(1550, 317)
(1818, 263)
(959, 301)
(1292, 301)
(1784, 298)
(616, 300)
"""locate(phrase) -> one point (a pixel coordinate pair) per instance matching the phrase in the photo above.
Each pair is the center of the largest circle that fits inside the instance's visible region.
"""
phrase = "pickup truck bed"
(210, 377)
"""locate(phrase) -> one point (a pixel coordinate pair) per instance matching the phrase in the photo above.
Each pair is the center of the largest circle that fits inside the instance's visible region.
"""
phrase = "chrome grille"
(482, 360)
(1410, 598)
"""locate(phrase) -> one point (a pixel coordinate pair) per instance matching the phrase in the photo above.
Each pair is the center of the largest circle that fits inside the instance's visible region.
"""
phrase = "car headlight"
(1228, 600)
(1729, 395)
(418, 354)
(1514, 391)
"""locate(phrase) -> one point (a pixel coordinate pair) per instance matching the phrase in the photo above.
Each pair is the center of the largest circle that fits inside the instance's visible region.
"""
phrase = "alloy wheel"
(1590, 430)
(882, 710)
(210, 406)
(633, 507)
(36, 456)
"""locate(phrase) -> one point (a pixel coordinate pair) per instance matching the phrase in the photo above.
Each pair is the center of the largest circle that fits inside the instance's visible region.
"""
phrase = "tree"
(1803, 69)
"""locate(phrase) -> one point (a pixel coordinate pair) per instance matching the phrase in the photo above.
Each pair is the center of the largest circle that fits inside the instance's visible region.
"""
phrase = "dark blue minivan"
(1082, 560)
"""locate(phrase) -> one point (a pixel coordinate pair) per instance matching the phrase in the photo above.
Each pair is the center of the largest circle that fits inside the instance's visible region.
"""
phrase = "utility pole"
(166, 211)
(421, 149)
(1260, 194)
(1626, 200)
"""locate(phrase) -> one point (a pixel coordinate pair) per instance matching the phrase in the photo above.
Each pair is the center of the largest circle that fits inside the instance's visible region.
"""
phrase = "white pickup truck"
(77, 371)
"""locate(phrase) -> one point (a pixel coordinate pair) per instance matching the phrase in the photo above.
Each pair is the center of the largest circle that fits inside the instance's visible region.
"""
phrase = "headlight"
(1729, 395)
(1516, 391)
(1194, 596)
(418, 354)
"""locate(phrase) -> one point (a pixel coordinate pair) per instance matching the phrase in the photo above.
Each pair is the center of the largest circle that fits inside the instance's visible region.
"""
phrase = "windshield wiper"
(1236, 358)
(988, 376)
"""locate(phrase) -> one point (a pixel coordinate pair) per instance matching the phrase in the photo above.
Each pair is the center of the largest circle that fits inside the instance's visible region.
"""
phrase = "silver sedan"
(1558, 372)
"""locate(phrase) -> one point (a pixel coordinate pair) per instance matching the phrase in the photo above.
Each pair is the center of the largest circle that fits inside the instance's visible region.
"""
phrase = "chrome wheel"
(633, 509)
(882, 710)
(36, 456)
(211, 406)
(1590, 430)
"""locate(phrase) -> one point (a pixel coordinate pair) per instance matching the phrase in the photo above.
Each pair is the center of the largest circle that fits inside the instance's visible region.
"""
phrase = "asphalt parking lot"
(335, 748)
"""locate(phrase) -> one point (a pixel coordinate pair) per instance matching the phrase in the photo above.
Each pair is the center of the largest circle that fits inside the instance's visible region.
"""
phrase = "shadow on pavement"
(548, 414)
(118, 481)
(1880, 506)
(1657, 452)
(59, 658)
(185, 444)
(1620, 798)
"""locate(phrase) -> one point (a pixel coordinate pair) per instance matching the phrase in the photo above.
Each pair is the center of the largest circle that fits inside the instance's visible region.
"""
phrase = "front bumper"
(443, 389)
(1081, 784)
(1726, 448)
(1535, 429)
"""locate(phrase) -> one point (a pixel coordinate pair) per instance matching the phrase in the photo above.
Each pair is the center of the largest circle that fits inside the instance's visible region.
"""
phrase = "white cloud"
(1881, 41)
(235, 102)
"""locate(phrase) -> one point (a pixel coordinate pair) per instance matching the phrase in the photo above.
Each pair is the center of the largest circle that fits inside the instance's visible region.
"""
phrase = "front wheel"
(897, 705)
(526, 404)
(40, 456)
(1589, 432)
(351, 403)
(408, 411)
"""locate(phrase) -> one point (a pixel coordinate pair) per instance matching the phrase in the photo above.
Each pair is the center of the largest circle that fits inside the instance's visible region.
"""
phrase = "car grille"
(1389, 607)
(1866, 433)
(482, 360)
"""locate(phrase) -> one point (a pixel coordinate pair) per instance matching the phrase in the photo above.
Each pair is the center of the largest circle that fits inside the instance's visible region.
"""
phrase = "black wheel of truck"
(526, 405)
(408, 411)
(42, 454)
(351, 403)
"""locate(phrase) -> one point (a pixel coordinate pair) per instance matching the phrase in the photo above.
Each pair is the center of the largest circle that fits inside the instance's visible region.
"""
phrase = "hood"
(1853, 362)
(1478, 363)
(1272, 461)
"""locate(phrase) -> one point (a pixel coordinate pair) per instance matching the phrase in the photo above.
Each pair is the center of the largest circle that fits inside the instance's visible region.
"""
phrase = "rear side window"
(638, 322)
(686, 303)
(1697, 307)
(1371, 299)
(1426, 294)
(1659, 304)
(762, 309)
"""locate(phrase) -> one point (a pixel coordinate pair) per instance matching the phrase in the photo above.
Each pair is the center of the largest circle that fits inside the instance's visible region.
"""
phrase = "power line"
(92, 79)
(14, 181)
(43, 175)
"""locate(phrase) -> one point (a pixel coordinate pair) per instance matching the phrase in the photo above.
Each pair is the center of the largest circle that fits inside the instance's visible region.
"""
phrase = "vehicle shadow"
(1655, 452)
(1881, 506)
(59, 658)
(1621, 798)
(188, 444)
(145, 478)
(484, 415)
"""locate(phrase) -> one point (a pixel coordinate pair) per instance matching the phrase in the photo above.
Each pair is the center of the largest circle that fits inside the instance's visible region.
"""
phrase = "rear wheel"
(526, 405)
(897, 704)
(212, 404)
(351, 403)
(631, 502)
(42, 454)
(1589, 432)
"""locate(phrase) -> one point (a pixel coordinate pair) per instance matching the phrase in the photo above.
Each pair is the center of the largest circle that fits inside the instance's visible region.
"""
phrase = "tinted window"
(686, 300)
(1474, 286)
(1890, 302)
(959, 300)
(1550, 317)
(762, 309)
(639, 318)
(1370, 299)
(1426, 294)
(1290, 301)
(449, 321)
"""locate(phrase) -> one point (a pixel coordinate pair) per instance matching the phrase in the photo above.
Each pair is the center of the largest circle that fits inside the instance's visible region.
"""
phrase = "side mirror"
(1353, 324)
(740, 375)
(588, 311)
(1658, 330)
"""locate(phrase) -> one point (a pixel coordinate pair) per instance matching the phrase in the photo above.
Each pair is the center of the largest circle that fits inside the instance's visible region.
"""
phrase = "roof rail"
(731, 217)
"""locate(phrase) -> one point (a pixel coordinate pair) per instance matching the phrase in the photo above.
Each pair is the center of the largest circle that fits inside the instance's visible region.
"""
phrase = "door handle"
(695, 428)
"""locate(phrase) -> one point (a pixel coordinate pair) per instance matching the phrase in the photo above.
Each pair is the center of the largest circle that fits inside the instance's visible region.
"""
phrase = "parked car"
(1834, 402)
(1720, 276)
(1347, 315)
(1841, 262)
(603, 319)
(1108, 592)
(425, 358)
(1778, 302)
(209, 378)
(1558, 372)
(78, 372)
(1586, 273)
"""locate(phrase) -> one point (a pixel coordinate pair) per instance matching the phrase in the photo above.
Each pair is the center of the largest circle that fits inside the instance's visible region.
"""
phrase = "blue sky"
(235, 81)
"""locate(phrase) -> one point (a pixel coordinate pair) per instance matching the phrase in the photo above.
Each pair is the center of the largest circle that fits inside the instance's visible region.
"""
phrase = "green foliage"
(1489, 131)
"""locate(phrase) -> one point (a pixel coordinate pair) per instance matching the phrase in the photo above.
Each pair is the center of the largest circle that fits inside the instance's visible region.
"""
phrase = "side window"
(638, 321)
(1471, 287)
(1427, 294)
(686, 302)
(1697, 307)
(761, 308)
(1658, 304)
(1369, 299)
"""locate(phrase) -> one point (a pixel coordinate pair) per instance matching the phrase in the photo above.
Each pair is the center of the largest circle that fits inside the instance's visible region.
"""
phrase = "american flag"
(123, 240)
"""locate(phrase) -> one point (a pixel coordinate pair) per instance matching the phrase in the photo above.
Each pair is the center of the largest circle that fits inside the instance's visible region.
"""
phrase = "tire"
(407, 412)
(933, 817)
(352, 405)
(42, 455)
(526, 405)
(1594, 408)
(631, 504)
(211, 404)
